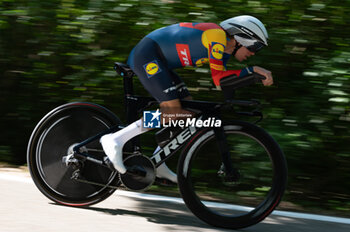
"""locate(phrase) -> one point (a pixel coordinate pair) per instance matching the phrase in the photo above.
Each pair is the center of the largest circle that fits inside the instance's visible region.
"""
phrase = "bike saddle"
(123, 70)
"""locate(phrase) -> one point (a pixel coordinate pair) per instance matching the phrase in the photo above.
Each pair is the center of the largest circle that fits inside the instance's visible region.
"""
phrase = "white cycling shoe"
(163, 172)
(113, 144)
(114, 152)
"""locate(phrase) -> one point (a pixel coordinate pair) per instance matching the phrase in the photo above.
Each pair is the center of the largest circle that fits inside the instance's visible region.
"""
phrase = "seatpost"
(131, 111)
(128, 85)
(127, 74)
(130, 108)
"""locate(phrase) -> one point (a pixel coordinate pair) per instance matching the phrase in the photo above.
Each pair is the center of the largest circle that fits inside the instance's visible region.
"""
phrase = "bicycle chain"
(98, 184)
(76, 174)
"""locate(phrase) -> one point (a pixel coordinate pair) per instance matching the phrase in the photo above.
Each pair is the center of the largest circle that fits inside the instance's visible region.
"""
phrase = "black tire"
(55, 133)
(263, 176)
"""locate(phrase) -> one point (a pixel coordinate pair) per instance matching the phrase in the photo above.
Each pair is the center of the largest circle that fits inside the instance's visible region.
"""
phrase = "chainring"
(138, 182)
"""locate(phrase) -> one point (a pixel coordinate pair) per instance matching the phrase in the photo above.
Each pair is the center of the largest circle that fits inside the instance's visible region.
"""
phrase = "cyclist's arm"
(216, 40)
(218, 74)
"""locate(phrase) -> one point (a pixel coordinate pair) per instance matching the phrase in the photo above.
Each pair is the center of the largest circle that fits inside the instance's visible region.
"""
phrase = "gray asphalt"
(24, 208)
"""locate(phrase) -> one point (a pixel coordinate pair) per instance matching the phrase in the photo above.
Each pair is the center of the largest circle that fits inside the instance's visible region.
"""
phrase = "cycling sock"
(164, 172)
(112, 144)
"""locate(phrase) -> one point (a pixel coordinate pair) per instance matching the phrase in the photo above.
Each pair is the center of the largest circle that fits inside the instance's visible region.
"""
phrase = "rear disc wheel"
(54, 138)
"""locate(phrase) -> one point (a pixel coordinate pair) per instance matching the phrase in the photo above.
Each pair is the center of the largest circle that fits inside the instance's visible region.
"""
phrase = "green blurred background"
(57, 51)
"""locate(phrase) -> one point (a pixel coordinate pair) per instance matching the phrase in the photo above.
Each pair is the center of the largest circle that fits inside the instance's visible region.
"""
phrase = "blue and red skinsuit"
(179, 45)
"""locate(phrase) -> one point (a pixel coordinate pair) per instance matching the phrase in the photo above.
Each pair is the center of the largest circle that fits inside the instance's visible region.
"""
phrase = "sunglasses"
(257, 46)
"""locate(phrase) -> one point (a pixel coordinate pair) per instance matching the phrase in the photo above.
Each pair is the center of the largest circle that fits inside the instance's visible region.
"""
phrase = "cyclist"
(156, 56)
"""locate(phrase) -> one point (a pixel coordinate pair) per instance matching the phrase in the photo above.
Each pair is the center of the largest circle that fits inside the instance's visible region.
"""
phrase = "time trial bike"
(231, 176)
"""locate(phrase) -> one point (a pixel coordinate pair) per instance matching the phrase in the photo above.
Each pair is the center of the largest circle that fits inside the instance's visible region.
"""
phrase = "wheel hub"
(69, 159)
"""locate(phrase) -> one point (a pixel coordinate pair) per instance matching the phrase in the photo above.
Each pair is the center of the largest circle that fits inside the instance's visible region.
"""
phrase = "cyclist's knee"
(172, 110)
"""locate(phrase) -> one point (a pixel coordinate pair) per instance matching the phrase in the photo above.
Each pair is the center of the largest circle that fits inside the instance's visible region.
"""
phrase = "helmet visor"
(257, 46)
(252, 45)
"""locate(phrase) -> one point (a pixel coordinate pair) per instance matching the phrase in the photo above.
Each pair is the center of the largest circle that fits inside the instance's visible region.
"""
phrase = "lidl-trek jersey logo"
(217, 51)
(202, 61)
(152, 68)
(183, 51)
(151, 119)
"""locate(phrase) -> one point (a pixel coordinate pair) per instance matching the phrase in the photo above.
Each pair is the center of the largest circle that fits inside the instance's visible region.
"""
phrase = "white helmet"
(247, 30)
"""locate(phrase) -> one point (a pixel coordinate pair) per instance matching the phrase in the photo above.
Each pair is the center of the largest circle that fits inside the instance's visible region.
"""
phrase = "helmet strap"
(237, 46)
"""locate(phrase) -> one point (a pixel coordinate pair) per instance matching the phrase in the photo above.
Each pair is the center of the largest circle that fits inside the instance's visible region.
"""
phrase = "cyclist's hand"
(269, 80)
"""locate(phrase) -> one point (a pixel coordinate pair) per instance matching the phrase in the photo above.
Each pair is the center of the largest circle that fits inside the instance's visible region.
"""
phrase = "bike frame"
(134, 105)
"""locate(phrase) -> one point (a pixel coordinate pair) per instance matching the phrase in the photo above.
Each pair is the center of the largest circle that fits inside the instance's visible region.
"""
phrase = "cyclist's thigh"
(150, 67)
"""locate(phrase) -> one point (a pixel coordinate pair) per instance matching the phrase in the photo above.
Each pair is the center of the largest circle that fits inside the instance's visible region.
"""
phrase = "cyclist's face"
(243, 53)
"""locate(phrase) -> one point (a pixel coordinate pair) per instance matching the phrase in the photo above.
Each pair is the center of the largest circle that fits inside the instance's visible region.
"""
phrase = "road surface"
(24, 208)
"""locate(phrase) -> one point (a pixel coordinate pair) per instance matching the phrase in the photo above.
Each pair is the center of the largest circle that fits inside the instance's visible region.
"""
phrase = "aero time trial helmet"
(247, 30)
